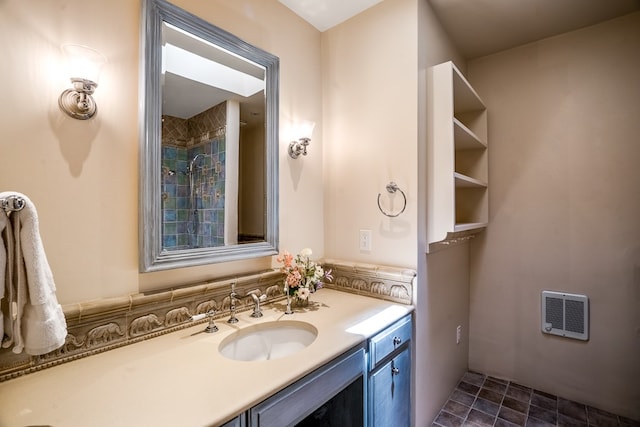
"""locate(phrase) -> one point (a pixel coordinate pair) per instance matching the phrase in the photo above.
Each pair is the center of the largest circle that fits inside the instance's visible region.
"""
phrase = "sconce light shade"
(305, 130)
(84, 65)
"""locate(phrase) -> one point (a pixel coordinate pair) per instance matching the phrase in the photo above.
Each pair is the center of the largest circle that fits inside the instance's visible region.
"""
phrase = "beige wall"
(251, 220)
(370, 109)
(374, 70)
(442, 296)
(564, 176)
(83, 175)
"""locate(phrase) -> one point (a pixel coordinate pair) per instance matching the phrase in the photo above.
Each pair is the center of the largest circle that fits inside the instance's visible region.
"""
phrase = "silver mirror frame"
(151, 255)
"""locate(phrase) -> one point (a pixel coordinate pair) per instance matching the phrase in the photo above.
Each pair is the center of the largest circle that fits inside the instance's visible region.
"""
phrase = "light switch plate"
(365, 240)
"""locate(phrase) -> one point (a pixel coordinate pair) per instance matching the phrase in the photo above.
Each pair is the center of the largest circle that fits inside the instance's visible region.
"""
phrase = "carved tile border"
(95, 327)
(388, 283)
(102, 325)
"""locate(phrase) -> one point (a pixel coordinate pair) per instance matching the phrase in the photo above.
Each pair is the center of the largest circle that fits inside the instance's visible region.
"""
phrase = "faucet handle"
(211, 327)
(197, 317)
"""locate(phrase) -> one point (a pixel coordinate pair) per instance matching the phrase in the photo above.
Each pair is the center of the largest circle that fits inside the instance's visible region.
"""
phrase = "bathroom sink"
(268, 341)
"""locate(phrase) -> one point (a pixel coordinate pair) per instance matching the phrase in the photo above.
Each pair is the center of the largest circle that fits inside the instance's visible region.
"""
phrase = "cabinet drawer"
(383, 344)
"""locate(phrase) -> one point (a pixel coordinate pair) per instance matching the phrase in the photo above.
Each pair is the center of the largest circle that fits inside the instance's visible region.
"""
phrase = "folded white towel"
(44, 327)
(38, 323)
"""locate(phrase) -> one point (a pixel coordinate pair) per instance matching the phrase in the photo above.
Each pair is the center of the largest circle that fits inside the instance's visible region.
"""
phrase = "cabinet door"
(389, 392)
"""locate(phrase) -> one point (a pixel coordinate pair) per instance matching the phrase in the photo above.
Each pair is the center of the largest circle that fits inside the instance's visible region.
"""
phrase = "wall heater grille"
(565, 314)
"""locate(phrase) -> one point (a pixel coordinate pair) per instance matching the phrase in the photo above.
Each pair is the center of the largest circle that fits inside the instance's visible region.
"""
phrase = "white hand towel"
(39, 324)
(44, 327)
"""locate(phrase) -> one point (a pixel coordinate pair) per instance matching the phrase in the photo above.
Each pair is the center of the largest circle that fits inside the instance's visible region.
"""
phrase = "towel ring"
(392, 187)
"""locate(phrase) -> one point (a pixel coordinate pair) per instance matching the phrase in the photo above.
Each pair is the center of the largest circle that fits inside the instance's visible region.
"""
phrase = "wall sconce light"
(84, 66)
(304, 129)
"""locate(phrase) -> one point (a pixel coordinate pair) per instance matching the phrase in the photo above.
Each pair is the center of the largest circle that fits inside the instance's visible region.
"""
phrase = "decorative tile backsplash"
(388, 283)
(98, 326)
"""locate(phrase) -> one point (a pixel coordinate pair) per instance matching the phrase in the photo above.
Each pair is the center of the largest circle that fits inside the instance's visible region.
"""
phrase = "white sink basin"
(268, 341)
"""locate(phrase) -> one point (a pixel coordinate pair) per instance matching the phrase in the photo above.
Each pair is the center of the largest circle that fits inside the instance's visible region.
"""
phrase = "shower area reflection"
(202, 219)
(193, 188)
(212, 180)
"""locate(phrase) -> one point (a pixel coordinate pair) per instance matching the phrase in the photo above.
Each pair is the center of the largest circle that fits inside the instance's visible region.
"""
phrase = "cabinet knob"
(394, 370)
(397, 340)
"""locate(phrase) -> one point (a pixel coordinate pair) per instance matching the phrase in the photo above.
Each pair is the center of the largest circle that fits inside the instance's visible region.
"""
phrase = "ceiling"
(482, 27)
(324, 14)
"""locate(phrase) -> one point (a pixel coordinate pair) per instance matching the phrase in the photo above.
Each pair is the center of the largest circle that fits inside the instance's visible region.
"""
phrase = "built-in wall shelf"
(462, 234)
(463, 181)
(458, 189)
(467, 227)
(465, 138)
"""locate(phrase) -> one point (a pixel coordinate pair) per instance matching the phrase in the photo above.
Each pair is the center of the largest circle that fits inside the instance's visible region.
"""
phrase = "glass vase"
(302, 302)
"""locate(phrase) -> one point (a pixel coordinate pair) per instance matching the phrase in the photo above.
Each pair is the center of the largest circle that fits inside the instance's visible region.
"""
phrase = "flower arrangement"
(302, 276)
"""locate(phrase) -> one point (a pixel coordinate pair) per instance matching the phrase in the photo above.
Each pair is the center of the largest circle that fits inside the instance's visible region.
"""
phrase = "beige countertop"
(180, 379)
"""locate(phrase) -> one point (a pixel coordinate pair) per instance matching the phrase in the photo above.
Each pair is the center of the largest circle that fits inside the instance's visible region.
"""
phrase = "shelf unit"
(458, 190)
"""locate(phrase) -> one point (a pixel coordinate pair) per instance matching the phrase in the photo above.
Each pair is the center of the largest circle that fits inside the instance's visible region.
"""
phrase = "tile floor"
(481, 401)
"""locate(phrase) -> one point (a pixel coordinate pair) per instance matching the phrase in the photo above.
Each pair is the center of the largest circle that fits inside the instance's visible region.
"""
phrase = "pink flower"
(293, 279)
(302, 276)
(287, 260)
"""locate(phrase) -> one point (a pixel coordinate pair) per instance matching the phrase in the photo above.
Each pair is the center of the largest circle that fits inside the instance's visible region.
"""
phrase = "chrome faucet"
(233, 297)
(257, 298)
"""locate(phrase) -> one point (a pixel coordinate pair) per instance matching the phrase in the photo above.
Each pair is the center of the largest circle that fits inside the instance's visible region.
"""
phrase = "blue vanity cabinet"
(389, 384)
(369, 385)
(330, 395)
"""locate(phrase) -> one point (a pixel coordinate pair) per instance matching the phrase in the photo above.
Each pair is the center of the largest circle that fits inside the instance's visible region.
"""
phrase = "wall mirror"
(209, 151)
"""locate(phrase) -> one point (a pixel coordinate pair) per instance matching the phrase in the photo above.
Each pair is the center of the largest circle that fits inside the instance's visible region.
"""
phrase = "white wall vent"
(565, 314)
